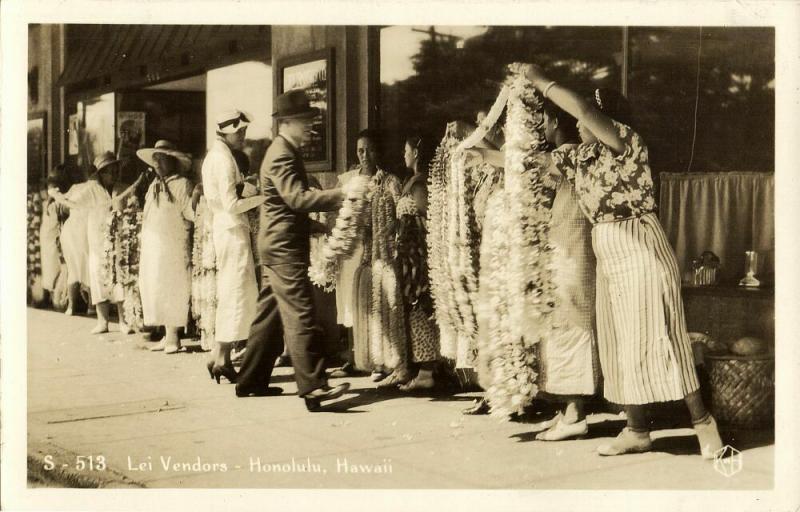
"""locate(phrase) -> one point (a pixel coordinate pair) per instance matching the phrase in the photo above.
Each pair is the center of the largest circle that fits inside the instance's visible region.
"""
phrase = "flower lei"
(120, 264)
(341, 242)
(34, 249)
(204, 275)
(387, 329)
(519, 295)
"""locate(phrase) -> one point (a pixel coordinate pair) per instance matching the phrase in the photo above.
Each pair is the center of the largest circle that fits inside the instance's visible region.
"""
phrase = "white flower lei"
(520, 294)
(204, 276)
(342, 241)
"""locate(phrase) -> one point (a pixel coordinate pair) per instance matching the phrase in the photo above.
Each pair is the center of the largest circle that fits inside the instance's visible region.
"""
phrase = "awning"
(106, 54)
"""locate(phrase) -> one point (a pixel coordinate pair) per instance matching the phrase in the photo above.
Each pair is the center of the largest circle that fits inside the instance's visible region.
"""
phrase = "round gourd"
(748, 346)
(716, 346)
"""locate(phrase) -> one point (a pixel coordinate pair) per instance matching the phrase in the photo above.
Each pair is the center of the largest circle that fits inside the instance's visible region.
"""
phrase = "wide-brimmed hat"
(293, 104)
(167, 148)
(231, 121)
(104, 160)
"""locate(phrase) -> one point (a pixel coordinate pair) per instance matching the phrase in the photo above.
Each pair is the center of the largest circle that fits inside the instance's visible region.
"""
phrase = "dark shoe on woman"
(481, 406)
(315, 398)
(261, 391)
(224, 371)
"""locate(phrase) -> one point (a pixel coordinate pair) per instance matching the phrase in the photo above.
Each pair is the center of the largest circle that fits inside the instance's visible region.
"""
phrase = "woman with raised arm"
(644, 347)
(95, 199)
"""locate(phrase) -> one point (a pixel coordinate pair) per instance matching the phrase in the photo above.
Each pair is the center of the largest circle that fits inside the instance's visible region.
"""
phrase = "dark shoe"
(315, 398)
(261, 391)
(224, 371)
(283, 362)
(481, 406)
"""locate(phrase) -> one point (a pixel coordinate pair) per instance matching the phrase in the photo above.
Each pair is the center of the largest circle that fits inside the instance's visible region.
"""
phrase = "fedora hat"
(104, 160)
(167, 148)
(231, 121)
(293, 104)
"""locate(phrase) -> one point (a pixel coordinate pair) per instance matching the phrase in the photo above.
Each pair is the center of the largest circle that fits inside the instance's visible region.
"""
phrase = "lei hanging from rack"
(204, 275)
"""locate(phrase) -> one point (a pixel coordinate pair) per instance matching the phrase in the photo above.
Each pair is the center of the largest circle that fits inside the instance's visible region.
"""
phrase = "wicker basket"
(742, 389)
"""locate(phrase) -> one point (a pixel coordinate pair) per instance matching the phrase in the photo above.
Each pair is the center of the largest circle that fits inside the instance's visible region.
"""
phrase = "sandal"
(628, 441)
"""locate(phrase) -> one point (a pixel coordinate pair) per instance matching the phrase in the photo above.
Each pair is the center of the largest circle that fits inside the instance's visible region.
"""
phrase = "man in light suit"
(283, 242)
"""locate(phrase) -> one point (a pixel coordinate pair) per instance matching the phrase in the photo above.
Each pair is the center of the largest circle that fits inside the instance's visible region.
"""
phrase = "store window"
(705, 97)
(434, 74)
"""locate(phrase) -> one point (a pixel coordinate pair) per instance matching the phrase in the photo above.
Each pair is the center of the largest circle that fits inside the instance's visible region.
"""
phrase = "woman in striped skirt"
(644, 347)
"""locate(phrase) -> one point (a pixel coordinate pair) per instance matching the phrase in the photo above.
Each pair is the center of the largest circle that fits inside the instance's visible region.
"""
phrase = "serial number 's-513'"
(82, 463)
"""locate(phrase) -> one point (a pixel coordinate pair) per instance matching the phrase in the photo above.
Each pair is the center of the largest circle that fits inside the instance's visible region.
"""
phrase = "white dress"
(237, 291)
(165, 266)
(95, 201)
(74, 240)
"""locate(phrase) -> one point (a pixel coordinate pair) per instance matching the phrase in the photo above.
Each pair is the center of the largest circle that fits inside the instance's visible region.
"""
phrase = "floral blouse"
(610, 187)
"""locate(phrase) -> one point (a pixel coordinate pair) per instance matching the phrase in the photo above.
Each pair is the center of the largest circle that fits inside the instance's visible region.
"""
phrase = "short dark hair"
(373, 136)
(567, 123)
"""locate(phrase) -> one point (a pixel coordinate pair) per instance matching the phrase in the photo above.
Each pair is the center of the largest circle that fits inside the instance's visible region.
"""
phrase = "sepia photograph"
(504, 259)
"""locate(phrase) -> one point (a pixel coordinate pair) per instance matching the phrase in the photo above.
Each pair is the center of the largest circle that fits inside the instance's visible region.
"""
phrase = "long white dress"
(237, 291)
(165, 267)
(75, 241)
(95, 201)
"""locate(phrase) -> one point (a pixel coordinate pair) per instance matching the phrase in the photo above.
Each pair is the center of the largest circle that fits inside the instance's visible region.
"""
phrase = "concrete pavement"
(104, 411)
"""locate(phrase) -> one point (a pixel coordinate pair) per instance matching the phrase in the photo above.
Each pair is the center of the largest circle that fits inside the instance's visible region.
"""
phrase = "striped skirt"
(644, 346)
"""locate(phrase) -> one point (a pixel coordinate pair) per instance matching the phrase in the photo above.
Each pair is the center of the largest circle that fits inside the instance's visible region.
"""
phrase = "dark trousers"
(284, 314)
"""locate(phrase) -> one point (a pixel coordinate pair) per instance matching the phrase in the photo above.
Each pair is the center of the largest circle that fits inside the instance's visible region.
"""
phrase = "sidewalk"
(154, 420)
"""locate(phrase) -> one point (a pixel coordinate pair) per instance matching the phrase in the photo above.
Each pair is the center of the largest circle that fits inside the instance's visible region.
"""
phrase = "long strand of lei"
(519, 306)
(204, 272)
(342, 240)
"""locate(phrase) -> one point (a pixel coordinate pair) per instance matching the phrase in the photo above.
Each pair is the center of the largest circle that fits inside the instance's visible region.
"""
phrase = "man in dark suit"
(283, 243)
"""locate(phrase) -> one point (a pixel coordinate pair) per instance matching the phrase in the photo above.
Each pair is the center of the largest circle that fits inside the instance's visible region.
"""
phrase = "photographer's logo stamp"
(728, 460)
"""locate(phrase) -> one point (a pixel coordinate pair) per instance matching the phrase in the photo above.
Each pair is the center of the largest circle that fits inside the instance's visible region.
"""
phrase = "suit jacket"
(285, 226)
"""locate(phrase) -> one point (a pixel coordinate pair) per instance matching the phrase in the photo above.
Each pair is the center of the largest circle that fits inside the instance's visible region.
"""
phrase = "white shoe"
(627, 441)
(708, 436)
(100, 328)
(125, 328)
(562, 431)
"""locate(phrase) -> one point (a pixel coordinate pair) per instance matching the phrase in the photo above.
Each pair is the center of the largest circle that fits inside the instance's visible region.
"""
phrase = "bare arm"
(598, 123)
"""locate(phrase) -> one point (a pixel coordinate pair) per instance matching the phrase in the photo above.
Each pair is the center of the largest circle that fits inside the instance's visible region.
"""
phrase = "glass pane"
(734, 110)
(435, 74)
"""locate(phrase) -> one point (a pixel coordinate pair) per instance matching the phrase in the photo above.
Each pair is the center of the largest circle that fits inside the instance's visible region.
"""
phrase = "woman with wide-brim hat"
(94, 197)
(165, 262)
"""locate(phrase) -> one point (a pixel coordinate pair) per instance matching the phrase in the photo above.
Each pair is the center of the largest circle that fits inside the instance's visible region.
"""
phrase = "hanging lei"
(34, 248)
(204, 274)
(120, 264)
(520, 294)
(341, 243)
(387, 332)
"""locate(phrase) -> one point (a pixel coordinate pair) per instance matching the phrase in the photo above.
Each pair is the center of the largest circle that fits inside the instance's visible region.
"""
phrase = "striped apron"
(644, 346)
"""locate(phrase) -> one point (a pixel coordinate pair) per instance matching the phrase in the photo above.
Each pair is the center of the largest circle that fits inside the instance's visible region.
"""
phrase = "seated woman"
(165, 271)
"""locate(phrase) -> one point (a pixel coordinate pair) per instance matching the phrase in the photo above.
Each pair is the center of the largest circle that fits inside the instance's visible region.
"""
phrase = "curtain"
(727, 213)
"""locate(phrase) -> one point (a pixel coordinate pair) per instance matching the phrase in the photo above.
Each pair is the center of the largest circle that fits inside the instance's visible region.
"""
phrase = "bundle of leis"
(519, 294)
(120, 264)
(34, 249)
(454, 239)
(387, 328)
(343, 238)
(204, 275)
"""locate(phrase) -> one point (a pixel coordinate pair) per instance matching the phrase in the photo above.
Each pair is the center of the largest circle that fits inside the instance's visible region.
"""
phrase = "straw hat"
(104, 160)
(167, 148)
(231, 121)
